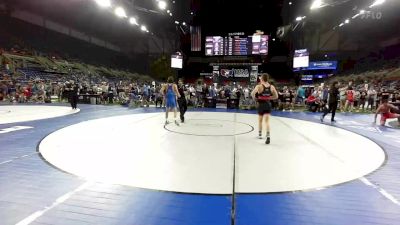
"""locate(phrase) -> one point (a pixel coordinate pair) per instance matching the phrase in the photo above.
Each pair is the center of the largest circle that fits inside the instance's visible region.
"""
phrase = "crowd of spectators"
(354, 96)
(47, 91)
(359, 91)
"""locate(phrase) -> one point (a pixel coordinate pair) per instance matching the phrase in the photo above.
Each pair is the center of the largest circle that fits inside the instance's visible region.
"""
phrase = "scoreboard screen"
(236, 45)
(176, 61)
(301, 58)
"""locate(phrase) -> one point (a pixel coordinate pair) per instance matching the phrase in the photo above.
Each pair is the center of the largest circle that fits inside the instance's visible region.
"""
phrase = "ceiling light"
(143, 28)
(362, 11)
(133, 21)
(347, 21)
(316, 4)
(103, 3)
(120, 12)
(176, 22)
(183, 23)
(377, 2)
(162, 5)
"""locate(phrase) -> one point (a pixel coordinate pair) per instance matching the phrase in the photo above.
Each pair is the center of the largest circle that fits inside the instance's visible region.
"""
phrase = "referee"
(182, 100)
(73, 94)
(333, 102)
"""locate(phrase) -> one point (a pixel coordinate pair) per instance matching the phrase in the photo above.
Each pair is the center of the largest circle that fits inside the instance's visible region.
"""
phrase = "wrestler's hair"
(170, 80)
(265, 77)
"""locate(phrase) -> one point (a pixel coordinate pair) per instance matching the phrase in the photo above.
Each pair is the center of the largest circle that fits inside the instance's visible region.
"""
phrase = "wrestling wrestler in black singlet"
(264, 93)
(264, 100)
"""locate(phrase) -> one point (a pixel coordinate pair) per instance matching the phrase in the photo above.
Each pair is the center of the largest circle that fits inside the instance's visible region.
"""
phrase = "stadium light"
(133, 21)
(162, 5)
(316, 4)
(103, 3)
(120, 12)
(143, 28)
(170, 14)
(377, 2)
(168, 11)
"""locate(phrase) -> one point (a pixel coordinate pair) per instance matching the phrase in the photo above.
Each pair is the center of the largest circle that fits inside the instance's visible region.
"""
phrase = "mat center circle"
(210, 127)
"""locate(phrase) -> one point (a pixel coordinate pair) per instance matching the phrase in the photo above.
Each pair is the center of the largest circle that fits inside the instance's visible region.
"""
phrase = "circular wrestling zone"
(24, 113)
(210, 153)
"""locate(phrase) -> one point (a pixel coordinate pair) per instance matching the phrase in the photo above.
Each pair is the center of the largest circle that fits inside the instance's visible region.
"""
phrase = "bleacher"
(37, 74)
(36, 41)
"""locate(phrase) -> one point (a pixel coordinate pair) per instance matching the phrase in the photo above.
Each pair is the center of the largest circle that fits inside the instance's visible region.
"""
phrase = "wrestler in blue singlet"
(170, 97)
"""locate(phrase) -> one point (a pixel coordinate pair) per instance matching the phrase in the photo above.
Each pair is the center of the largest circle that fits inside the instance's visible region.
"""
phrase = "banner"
(235, 73)
(323, 65)
(254, 74)
(195, 37)
(320, 65)
(307, 77)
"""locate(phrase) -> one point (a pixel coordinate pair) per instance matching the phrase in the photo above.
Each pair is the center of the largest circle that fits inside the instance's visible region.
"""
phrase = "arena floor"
(114, 165)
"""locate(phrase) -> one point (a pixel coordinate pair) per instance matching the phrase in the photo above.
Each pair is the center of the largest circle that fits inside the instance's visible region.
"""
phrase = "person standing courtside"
(72, 90)
(170, 91)
(264, 93)
(332, 102)
(182, 100)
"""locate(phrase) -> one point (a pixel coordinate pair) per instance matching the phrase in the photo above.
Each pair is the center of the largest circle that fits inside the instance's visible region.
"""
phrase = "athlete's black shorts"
(264, 108)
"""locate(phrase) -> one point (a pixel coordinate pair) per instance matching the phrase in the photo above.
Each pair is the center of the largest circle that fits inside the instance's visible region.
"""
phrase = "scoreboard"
(236, 45)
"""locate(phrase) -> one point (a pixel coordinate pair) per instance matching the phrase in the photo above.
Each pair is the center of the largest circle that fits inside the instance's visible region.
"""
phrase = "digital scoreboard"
(239, 45)
(301, 58)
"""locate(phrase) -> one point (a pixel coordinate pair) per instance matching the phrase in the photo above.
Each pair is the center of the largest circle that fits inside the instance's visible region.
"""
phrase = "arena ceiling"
(377, 24)
(218, 17)
(87, 16)
(226, 16)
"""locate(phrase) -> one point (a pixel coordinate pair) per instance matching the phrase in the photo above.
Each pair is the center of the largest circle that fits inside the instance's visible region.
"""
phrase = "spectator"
(350, 97)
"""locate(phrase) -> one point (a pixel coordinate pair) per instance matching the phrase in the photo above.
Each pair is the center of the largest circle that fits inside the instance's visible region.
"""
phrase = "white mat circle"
(136, 150)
